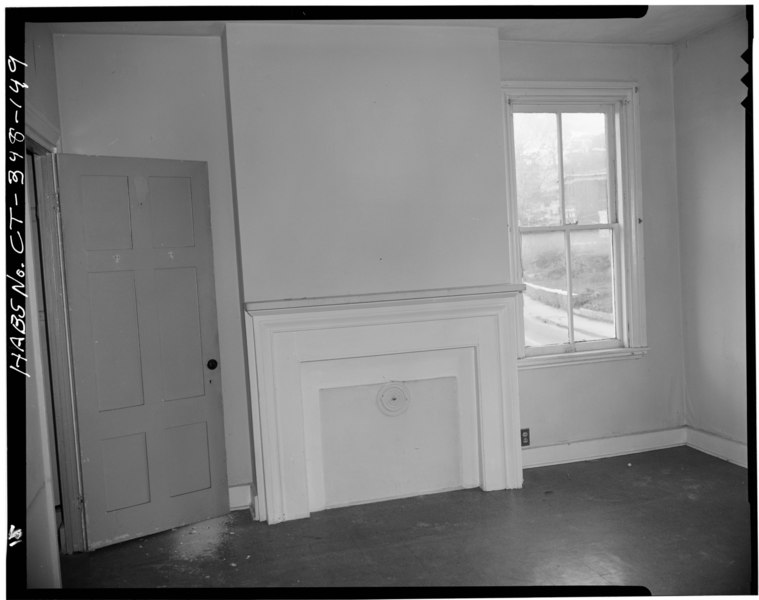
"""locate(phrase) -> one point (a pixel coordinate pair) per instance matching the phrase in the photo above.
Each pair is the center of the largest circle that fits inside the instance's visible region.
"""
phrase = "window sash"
(613, 146)
(630, 253)
(619, 322)
(610, 110)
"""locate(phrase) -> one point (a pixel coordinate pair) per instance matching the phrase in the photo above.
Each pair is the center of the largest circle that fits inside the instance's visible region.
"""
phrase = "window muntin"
(569, 236)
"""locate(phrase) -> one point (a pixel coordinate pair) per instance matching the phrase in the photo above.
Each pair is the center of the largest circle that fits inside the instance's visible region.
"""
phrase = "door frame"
(60, 356)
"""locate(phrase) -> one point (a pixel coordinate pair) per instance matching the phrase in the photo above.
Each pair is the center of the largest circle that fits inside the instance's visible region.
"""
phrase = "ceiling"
(660, 25)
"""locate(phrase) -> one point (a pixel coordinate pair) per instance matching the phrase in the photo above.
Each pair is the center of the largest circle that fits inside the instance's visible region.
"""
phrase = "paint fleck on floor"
(675, 521)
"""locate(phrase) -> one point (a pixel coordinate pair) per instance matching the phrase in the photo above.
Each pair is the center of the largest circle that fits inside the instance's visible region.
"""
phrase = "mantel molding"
(385, 298)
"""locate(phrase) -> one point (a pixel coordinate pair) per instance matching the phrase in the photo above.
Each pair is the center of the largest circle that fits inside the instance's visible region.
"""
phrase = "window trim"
(630, 257)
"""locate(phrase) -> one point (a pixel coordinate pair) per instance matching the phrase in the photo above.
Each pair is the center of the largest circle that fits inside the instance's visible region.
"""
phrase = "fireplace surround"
(365, 398)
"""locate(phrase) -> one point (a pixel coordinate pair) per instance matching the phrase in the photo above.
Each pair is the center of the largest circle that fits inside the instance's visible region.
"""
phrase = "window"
(575, 220)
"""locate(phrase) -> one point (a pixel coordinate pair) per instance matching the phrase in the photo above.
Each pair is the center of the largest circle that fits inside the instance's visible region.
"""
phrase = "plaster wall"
(39, 74)
(368, 158)
(711, 185)
(593, 401)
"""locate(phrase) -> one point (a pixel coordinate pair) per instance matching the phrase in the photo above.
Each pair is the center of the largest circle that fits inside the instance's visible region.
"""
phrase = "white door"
(138, 263)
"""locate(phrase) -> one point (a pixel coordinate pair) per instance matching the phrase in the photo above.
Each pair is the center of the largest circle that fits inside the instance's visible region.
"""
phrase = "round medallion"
(393, 399)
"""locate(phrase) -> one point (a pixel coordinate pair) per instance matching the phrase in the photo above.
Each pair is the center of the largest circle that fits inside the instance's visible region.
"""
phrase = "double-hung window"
(575, 217)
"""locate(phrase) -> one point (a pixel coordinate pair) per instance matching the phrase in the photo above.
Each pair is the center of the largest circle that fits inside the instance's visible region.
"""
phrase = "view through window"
(568, 227)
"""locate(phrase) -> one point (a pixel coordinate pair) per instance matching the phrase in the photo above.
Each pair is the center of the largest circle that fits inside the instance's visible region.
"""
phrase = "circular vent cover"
(393, 399)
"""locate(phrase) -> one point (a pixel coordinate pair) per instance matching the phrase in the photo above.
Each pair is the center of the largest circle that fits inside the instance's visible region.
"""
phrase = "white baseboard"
(602, 448)
(729, 450)
(239, 497)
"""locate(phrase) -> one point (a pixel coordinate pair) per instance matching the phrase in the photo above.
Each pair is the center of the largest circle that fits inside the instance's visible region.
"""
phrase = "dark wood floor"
(675, 521)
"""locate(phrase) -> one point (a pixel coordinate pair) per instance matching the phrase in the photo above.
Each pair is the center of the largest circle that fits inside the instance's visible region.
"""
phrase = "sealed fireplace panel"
(389, 375)
(391, 440)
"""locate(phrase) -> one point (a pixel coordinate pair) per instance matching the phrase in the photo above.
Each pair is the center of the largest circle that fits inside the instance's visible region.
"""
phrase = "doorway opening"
(45, 251)
(34, 253)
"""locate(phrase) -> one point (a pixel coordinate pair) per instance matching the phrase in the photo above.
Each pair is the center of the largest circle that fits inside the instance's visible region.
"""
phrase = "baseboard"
(602, 448)
(239, 497)
(729, 450)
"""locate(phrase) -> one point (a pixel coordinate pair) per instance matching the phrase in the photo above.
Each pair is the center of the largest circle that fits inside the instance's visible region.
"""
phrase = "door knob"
(212, 364)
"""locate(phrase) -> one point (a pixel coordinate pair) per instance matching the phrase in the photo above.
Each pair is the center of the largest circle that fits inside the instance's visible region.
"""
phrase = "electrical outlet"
(525, 437)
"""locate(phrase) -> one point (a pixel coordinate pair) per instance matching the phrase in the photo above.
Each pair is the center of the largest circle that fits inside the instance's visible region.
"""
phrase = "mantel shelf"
(407, 297)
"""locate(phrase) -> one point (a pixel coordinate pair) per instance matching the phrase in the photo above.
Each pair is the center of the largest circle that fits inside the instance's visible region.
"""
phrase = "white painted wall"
(711, 186)
(368, 158)
(585, 402)
(164, 97)
(41, 95)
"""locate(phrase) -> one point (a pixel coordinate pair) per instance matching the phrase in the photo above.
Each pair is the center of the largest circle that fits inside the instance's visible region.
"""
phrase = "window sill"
(577, 358)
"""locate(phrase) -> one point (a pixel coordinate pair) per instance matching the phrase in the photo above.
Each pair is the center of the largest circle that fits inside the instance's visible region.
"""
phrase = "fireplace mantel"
(300, 349)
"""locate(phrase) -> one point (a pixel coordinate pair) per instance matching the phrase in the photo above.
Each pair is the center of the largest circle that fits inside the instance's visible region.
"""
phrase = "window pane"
(586, 167)
(536, 158)
(545, 299)
(592, 285)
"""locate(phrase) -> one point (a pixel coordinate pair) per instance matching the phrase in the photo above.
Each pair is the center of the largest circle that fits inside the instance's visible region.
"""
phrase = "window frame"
(622, 98)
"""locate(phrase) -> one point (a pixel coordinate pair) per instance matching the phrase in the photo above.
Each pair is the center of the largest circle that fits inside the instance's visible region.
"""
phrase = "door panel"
(189, 457)
(171, 212)
(177, 302)
(125, 471)
(105, 203)
(137, 252)
(115, 331)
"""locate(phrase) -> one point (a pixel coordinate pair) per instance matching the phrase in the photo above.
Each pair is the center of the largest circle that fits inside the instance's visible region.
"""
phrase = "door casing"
(61, 361)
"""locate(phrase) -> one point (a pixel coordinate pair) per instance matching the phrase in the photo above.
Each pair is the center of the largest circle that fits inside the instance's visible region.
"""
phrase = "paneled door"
(142, 317)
